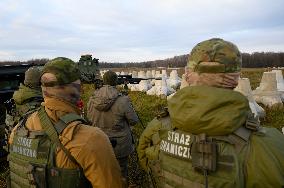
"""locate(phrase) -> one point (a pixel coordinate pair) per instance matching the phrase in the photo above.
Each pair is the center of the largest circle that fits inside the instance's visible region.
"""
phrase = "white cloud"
(135, 30)
(6, 55)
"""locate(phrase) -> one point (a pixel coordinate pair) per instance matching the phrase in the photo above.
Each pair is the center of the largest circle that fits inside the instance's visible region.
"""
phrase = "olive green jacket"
(27, 98)
(219, 112)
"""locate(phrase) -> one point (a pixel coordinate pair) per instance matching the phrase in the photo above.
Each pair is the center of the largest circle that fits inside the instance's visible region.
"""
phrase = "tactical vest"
(32, 156)
(198, 161)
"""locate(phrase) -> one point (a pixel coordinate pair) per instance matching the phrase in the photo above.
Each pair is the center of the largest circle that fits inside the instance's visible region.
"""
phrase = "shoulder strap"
(244, 132)
(37, 99)
(21, 130)
(65, 120)
(164, 117)
(241, 136)
(166, 122)
(48, 127)
(23, 119)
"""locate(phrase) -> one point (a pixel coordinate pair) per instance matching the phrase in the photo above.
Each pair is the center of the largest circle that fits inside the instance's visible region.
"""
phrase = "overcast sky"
(135, 30)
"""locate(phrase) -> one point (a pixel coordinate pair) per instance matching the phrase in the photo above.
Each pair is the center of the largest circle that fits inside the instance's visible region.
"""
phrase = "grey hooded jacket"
(113, 113)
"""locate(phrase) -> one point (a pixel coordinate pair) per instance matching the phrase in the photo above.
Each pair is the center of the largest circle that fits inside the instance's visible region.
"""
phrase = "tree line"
(253, 60)
(32, 62)
(263, 59)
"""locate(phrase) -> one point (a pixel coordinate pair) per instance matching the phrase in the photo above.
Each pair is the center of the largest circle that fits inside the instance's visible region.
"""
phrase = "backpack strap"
(51, 132)
(22, 123)
(165, 125)
(241, 136)
(65, 120)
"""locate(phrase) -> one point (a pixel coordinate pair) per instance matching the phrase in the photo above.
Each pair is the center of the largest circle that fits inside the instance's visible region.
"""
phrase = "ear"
(191, 77)
(48, 77)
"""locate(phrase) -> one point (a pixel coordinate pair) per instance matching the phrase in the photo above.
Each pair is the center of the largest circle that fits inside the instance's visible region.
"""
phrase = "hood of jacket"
(24, 93)
(104, 98)
(210, 110)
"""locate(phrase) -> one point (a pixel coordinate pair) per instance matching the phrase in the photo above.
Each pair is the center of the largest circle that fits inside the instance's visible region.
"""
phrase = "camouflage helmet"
(215, 56)
(65, 70)
(110, 78)
(32, 77)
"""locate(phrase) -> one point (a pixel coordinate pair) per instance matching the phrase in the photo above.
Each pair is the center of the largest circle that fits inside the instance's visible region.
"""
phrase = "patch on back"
(25, 146)
(177, 144)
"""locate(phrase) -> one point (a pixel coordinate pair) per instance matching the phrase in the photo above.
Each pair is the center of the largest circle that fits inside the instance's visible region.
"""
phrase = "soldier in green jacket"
(28, 97)
(209, 138)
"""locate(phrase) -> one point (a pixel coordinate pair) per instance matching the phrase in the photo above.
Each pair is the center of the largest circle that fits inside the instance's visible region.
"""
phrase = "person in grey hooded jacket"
(111, 111)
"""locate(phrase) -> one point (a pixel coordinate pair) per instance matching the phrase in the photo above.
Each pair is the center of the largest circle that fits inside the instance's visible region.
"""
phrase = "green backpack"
(32, 156)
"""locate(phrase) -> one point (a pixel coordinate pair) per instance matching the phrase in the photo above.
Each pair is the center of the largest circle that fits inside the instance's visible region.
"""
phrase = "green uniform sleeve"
(146, 147)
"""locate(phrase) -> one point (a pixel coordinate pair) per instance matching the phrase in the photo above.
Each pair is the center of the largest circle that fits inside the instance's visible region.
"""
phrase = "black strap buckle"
(252, 125)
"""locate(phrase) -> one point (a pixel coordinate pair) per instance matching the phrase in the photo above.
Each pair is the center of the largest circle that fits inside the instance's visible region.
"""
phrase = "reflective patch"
(176, 144)
(25, 146)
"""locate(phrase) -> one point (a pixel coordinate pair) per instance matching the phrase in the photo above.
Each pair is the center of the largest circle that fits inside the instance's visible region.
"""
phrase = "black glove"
(113, 142)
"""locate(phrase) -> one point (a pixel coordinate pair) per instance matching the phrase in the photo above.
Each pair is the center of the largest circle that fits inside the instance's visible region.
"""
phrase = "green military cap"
(65, 70)
(32, 77)
(215, 56)
(110, 78)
